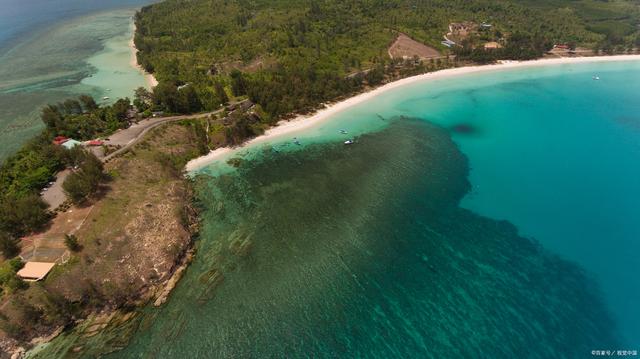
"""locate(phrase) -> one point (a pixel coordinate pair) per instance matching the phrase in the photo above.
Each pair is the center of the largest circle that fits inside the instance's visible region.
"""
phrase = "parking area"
(54, 194)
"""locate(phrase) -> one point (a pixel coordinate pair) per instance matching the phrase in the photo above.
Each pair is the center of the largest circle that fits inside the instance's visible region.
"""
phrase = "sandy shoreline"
(303, 122)
(149, 78)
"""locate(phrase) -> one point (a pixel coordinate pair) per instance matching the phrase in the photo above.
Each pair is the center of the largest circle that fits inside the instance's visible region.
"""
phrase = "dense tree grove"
(9, 246)
(83, 119)
(85, 180)
(9, 281)
(520, 46)
(291, 55)
(168, 97)
(26, 173)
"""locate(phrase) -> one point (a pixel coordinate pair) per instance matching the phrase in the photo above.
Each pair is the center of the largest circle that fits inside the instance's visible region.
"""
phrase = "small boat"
(105, 98)
(596, 77)
(348, 142)
(344, 132)
(297, 142)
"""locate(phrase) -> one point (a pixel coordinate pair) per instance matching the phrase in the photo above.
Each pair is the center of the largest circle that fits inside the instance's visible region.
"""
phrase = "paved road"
(54, 195)
(128, 137)
(125, 138)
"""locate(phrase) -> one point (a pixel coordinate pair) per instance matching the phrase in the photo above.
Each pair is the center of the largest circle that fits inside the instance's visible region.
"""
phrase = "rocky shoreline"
(137, 243)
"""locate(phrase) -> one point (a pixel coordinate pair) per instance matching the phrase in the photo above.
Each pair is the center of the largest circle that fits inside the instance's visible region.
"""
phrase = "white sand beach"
(149, 78)
(301, 123)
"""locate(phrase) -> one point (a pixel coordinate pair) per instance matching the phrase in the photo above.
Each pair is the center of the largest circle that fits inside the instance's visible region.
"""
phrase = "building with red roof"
(58, 140)
(94, 143)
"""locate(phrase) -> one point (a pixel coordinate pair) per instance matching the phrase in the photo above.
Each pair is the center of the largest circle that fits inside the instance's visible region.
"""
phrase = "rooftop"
(34, 271)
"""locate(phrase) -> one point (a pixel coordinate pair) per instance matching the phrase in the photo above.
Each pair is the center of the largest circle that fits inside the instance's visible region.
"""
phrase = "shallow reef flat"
(363, 251)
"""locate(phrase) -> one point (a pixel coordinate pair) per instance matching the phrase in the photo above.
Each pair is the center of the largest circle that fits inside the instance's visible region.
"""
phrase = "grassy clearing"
(135, 232)
(131, 240)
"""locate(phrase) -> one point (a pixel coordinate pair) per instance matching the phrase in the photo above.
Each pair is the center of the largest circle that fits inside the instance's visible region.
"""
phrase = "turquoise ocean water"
(492, 215)
(53, 50)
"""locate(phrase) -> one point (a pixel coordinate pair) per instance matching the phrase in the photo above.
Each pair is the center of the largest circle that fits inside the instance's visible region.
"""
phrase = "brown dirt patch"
(135, 235)
(406, 47)
(49, 246)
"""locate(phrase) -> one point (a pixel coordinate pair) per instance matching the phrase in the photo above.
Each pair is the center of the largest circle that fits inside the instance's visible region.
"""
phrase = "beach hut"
(71, 143)
(35, 271)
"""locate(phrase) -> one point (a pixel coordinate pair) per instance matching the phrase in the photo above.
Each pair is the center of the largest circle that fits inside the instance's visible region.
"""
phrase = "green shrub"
(71, 241)
(9, 280)
(85, 181)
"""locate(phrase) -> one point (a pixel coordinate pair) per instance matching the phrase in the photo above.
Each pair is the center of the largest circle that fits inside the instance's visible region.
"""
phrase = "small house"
(58, 140)
(35, 271)
(71, 143)
(246, 105)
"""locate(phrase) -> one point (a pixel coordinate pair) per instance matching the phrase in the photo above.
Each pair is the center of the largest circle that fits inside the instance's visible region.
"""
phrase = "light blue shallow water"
(54, 50)
(20, 18)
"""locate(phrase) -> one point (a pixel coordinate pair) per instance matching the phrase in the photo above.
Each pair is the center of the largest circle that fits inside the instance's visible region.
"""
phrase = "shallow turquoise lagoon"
(60, 50)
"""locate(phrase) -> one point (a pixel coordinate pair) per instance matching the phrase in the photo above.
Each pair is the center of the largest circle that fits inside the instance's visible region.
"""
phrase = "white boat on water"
(105, 98)
(348, 142)
(596, 77)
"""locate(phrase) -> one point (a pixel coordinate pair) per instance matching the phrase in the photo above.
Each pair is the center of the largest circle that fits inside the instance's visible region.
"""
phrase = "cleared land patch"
(132, 238)
(406, 47)
(136, 232)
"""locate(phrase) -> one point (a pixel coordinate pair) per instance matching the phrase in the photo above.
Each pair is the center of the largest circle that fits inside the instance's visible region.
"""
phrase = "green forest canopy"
(296, 53)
